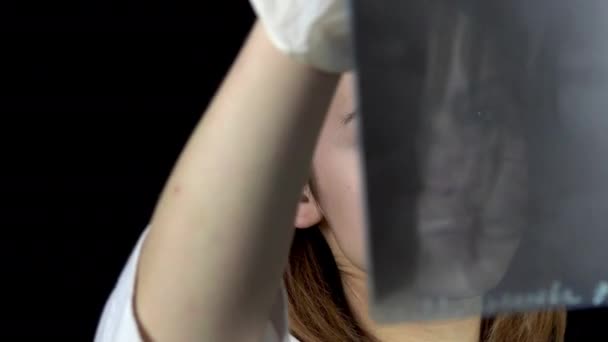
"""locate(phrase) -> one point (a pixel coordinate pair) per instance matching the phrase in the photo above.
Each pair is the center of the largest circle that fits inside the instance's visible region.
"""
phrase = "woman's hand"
(316, 32)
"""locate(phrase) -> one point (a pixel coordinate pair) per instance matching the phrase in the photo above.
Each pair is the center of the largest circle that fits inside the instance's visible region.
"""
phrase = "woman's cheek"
(351, 228)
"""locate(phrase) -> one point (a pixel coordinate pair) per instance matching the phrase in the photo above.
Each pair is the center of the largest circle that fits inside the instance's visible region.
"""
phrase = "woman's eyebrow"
(348, 117)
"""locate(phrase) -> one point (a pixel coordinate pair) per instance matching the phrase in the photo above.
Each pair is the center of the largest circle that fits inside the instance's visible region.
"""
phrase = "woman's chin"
(449, 266)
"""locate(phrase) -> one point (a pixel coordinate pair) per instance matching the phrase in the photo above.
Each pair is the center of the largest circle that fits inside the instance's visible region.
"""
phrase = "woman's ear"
(308, 213)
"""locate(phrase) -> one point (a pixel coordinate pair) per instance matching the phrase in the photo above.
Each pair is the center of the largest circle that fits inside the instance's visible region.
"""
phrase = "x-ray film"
(485, 153)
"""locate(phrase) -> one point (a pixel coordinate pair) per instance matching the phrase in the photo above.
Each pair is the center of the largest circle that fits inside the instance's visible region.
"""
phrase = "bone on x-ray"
(484, 136)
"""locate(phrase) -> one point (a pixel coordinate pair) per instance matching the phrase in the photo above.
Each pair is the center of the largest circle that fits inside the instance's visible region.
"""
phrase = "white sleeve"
(118, 322)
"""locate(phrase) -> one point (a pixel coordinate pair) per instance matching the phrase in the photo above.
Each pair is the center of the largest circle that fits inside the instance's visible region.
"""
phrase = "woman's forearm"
(219, 238)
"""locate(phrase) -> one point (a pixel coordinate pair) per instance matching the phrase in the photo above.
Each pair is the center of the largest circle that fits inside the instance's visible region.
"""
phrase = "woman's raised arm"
(220, 234)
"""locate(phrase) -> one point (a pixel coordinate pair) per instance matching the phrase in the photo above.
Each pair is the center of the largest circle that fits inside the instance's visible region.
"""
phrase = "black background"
(97, 99)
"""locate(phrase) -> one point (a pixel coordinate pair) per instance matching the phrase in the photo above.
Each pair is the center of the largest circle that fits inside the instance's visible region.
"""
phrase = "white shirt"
(118, 322)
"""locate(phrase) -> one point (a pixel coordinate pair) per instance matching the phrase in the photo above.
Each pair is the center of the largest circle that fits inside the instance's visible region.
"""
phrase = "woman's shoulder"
(118, 321)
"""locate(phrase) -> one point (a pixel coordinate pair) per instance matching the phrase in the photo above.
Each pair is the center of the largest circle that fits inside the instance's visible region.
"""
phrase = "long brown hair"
(319, 311)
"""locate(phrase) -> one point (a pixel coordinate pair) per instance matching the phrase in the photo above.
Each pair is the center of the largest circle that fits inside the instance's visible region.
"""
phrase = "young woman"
(268, 150)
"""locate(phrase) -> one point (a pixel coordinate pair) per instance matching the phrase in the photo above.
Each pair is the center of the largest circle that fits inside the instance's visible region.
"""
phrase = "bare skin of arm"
(219, 237)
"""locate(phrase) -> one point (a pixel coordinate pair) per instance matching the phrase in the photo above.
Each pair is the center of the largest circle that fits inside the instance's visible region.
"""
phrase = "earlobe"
(308, 213)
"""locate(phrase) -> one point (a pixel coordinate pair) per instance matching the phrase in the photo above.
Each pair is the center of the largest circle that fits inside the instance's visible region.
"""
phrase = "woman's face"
(463, 179)
(337, 201)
